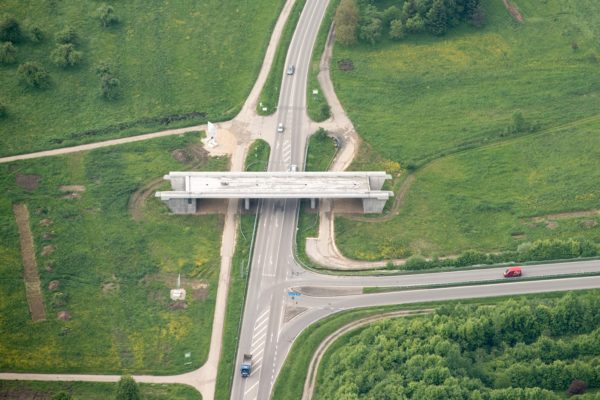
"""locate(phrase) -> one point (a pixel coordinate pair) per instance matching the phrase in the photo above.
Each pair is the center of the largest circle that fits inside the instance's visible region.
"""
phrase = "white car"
(280, 127)
(291, 69)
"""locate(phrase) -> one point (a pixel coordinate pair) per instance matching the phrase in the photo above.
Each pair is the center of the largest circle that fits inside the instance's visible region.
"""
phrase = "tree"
(346, 22)
(65, 55)
(106, 15)
(519, 124)
(110, 87)
(127, 389)
(478, 18)
(34, 75)
(10, 30)
(8, 53)
(36, 34)
(415, 24)
(66, 36)
(397, 29)
(437, 18)
(371, 32)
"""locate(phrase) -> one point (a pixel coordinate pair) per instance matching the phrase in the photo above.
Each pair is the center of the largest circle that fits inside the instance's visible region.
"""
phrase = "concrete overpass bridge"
(188, 188)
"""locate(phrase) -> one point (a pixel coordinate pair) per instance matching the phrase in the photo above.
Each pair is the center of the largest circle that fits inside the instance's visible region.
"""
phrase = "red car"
(513, 272)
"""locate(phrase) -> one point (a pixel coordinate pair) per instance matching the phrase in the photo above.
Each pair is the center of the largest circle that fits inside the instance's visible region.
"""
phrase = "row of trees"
(515, 350)
(363, 20)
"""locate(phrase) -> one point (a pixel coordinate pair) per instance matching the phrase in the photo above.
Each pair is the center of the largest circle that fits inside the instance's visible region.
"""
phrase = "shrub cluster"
(539, 250)
(362, 19)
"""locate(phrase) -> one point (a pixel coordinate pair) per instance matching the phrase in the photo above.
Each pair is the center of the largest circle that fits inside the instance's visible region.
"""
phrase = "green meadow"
(179, 63)
(108, 252)
(448, 109)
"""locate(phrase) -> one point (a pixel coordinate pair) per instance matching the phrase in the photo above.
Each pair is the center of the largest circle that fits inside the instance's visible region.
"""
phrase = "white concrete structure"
(189, 187)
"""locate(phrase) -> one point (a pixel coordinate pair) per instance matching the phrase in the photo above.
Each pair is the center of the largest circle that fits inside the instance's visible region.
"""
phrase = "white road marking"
(250, 389)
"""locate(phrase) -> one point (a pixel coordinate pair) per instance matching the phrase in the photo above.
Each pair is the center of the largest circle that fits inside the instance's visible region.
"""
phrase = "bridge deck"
(274, 185)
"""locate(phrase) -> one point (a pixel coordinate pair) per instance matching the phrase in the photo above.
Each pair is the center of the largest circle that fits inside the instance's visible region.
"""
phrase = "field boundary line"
(31, 277)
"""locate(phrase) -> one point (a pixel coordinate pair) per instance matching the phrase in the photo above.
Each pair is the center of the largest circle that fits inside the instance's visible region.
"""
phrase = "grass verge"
(269, 96)
(235, 306)
(317, 107)
(257, 159)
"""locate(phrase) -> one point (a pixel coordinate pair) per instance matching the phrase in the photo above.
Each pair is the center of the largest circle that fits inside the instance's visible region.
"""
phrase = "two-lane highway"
(272, 259)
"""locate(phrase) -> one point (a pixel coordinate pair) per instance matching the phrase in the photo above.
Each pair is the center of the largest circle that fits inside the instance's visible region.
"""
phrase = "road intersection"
(272, 319)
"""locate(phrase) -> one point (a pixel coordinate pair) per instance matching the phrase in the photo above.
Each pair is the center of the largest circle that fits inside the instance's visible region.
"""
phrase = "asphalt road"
(273, 260)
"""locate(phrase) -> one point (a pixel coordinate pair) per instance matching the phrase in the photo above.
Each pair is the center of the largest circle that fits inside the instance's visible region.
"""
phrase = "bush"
(36, 34)
(66, 36)
(3, 110)
(416, 262)
(10, 30)
(34, 75)
(106, 15)
(109, 84)
(8, 53)
(65, 56)
(127, 389)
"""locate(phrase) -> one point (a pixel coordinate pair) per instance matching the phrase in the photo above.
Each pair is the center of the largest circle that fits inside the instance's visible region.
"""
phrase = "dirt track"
(32, 279)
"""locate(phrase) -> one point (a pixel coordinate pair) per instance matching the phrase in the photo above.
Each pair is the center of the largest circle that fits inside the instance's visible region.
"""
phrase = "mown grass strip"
(257, 159)
(270, 93)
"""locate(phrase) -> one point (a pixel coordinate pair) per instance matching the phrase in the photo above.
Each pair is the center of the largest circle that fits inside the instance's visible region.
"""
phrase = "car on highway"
(513, 272)
(280, 127)
(292, 168)
(291, 69)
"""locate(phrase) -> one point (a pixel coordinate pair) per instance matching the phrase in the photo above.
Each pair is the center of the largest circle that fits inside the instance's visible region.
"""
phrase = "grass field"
(440, 104)
(27, 390)
(114, 272)
(172, 58)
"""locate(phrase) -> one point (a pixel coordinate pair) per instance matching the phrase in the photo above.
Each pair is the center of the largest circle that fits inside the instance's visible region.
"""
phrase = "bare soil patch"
(589, 223)
(33, 290)
(28, 182)
(178, 305)
(565, 215)
(197, 287)
(345, 65)
(72, 188)
(53, 285)
(513, 10)
(71, 196)
(46, 222)
(551, 225)
(47, 250)
(63, 315)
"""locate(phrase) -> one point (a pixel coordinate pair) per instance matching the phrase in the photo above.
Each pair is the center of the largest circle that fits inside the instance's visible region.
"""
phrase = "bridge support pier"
(371, 206)
(182, 206)
(312, 203)
(247, 204)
